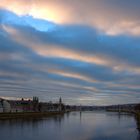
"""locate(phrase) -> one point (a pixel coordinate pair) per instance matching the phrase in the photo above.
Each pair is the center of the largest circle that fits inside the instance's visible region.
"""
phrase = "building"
(51, 107)
(6, 106)
(1, 106)
(30, 105)
(21, 106)
(25, 105)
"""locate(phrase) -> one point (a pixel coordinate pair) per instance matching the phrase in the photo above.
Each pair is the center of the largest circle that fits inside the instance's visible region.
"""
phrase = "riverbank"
(136, 113)
(18, 115)
(139, 116)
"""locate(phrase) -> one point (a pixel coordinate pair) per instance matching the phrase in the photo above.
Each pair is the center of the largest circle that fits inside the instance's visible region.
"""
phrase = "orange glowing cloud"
(106, 17)
(42, 9)
(61, 52)
(52, 51)
(72, 75)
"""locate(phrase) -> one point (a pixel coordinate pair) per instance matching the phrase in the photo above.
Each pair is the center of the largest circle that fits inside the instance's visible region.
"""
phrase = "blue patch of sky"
(13, 19)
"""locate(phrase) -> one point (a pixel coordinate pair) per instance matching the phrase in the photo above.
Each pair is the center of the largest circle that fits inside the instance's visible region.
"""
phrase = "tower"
(60, 104)
(35, 103)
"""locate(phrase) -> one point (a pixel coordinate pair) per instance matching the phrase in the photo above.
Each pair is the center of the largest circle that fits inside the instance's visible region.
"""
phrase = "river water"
(72, 126)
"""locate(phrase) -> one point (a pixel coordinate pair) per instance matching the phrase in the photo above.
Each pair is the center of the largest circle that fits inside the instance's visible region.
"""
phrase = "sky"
(85, 51)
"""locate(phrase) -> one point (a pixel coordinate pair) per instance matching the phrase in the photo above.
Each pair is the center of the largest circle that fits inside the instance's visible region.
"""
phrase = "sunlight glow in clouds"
(60, 52)
(38, 24)
(38, 8)
(51, 51)
(103, 14)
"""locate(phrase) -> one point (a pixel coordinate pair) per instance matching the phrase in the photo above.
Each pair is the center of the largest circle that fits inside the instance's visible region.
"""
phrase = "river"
(72, 126)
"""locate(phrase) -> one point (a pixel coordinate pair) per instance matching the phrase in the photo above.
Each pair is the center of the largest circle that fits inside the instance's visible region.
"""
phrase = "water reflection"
(34, 122)
(75, 126)
(138, 127)
(80, 116)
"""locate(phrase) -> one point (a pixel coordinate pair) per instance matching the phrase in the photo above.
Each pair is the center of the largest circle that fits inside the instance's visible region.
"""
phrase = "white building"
(6, 106)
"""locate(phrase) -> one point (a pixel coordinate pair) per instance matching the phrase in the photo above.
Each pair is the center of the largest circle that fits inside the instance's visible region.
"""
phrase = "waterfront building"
(6, 106)
(30, 105)
(51, 107)
(22, 105)
(1, 106)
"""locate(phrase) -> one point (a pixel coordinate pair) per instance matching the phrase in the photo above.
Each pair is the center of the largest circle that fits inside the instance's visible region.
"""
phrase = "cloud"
(85, 45)
(74, 61)
(110, 16)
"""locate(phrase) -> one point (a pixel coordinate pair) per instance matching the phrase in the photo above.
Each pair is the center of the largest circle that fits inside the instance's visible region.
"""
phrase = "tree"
(137, 107)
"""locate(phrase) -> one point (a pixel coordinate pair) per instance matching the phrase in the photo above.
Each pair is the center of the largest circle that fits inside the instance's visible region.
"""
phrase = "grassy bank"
(28, 115)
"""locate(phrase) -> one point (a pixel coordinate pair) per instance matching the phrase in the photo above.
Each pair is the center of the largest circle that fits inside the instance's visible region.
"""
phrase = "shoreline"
(17, 115)
(135, 113)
